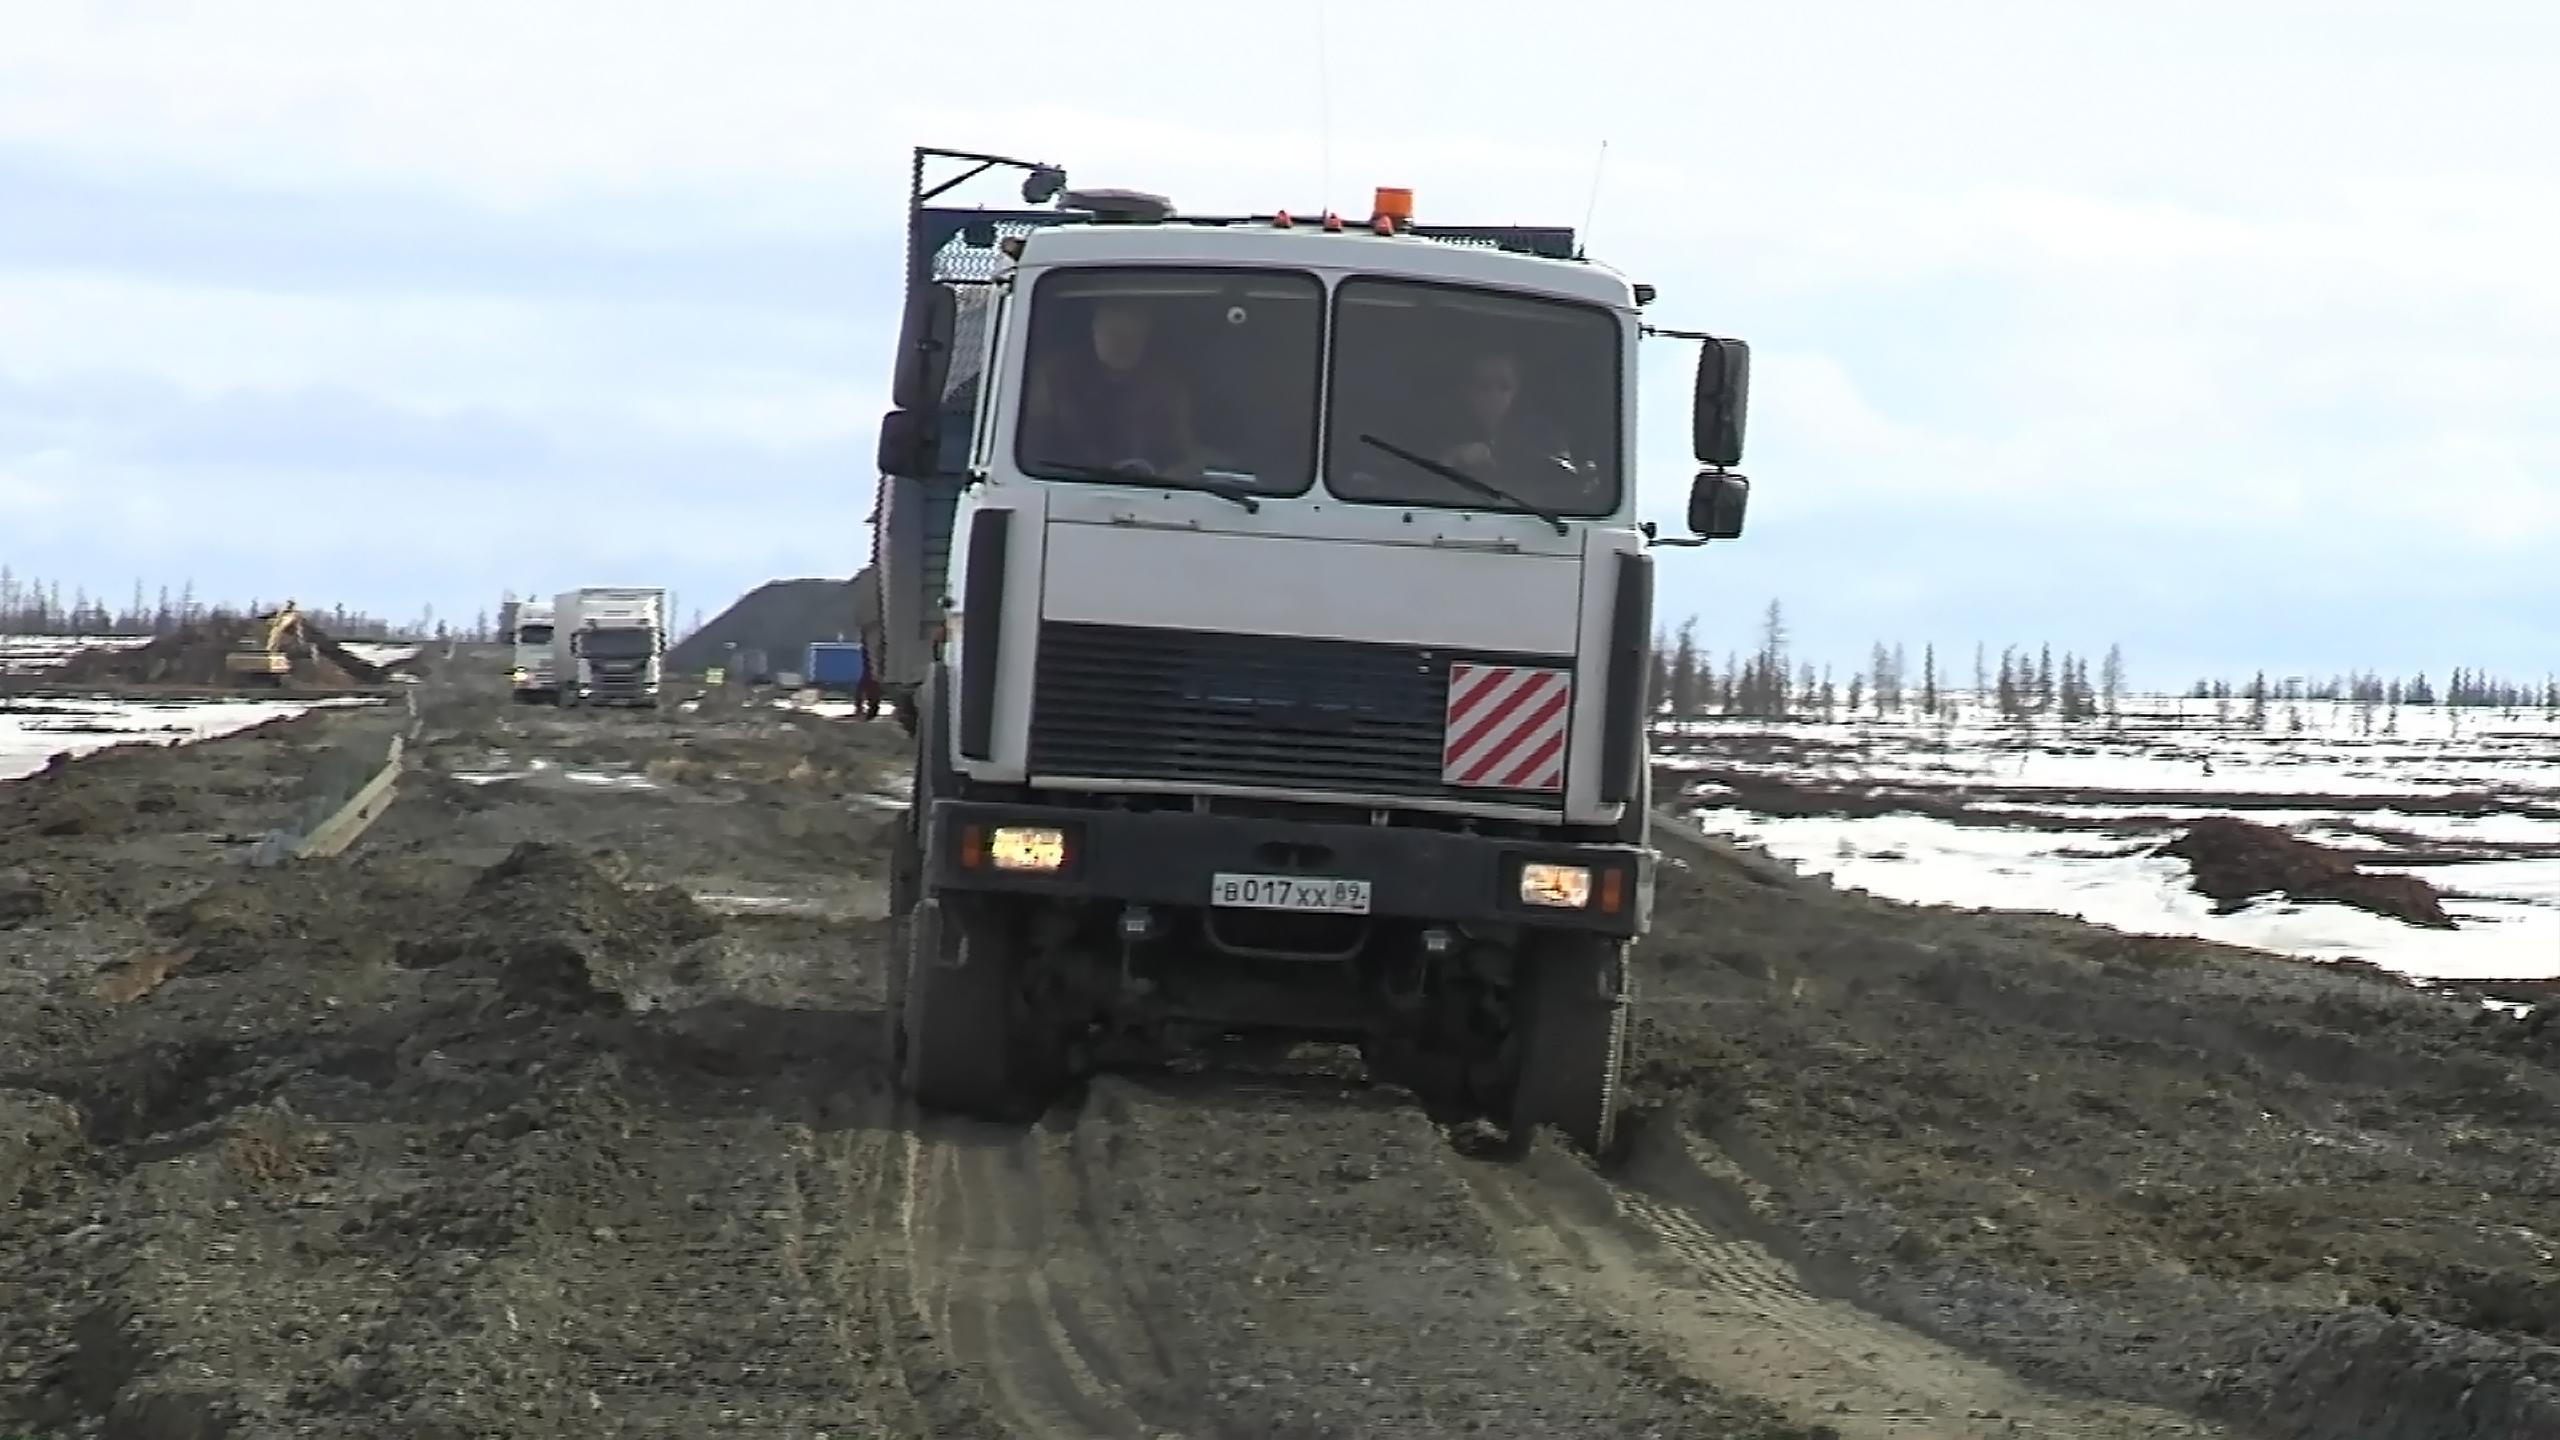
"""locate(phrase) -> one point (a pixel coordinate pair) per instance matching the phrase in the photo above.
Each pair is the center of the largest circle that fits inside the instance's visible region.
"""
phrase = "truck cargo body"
(610, 645)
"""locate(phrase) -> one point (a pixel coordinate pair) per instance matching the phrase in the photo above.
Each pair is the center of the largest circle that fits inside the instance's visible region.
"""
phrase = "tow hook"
(1404, 980)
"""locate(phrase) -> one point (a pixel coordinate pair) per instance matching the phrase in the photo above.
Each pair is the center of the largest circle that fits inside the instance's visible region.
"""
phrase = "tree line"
(2463, 689)
(32, 606)
(2021, 684)
(1770, 683)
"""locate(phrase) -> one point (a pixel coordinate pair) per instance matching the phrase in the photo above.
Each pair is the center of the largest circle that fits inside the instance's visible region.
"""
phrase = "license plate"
(1289, 892)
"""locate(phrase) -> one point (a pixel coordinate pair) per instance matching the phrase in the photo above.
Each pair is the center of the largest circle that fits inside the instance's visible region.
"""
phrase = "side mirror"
(924, 348)
(910, 443)
(1717, 500)
(1724, 393)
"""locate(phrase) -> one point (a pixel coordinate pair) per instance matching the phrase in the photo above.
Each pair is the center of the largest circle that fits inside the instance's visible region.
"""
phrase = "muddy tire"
(1570, 1008)
(959, 995)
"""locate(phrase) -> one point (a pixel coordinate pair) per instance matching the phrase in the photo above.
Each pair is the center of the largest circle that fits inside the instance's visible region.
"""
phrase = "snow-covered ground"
(33, 730)
(1967, 811)
(35, 654)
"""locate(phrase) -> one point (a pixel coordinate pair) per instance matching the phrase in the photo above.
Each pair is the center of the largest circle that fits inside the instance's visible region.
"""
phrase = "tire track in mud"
(1738, 1317)
(971, 1287)
(1005, 1270)
(1321, 1272)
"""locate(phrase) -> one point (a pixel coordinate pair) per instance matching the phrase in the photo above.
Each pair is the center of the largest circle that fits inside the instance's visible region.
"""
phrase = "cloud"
(2224, 328)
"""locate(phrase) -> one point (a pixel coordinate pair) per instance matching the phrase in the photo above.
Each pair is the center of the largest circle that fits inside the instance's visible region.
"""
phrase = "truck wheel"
(959, 992)
(893, 991)
(1569, 1010)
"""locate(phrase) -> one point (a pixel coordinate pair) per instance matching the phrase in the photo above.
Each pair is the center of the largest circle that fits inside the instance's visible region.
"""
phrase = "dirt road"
(554, 1110)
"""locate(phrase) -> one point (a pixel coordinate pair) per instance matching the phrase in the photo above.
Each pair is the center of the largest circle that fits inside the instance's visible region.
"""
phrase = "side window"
(976, 399)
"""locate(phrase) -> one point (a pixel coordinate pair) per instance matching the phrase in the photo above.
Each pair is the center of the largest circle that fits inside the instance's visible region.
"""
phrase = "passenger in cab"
(1112, 403)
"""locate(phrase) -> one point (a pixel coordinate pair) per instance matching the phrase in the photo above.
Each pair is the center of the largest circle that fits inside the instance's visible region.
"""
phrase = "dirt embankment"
(2236, 863)
(490, 1131)
(195, 655)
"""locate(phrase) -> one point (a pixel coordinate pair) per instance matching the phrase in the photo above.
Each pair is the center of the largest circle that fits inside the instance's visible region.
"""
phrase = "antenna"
(1324, 116)
(1583, 246)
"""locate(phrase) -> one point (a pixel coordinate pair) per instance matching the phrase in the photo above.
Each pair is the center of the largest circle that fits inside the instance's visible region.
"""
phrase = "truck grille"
(1267, 711)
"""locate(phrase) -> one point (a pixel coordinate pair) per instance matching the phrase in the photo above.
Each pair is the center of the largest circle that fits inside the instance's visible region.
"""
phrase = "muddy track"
(462, 1137)
(1739, 1317)
(1005, 1269)
(1029, 1256)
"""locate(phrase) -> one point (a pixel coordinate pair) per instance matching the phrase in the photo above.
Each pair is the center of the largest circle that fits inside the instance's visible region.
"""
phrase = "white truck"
(1274, 611)
(534, 675)
(609, 645)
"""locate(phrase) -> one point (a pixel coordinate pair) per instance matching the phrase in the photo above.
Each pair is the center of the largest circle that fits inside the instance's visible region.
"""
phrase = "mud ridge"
(2236, 862)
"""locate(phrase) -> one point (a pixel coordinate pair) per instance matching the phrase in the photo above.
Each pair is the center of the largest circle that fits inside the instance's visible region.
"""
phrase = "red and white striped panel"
(1506, 727)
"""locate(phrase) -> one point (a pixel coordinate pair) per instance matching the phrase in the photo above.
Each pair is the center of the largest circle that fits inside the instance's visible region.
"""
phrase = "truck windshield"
(1202, 375)
(614, 644)
(534, 635)
(1522, 393)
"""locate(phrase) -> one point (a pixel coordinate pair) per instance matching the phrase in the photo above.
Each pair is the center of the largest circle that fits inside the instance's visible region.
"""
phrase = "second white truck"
(534, 673)
(609, 645)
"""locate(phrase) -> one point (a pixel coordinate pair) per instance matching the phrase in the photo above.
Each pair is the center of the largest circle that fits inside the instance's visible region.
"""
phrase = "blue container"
(835, 665)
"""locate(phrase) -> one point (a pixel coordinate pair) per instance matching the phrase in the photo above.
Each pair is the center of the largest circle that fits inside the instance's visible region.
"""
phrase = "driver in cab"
(1113, 404)
(1505, 445)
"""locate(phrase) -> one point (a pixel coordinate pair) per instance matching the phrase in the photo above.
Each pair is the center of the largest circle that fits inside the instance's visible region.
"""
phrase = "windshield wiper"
(1453, 473)
(1124, 477)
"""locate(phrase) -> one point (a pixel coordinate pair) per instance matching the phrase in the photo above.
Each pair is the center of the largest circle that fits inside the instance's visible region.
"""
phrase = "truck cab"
(532, 677)
(609, 646)
(1288, 664)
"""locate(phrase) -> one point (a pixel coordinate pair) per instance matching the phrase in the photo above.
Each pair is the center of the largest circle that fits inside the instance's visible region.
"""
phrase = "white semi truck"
(609, 645)
(534, 675)
(1272, 604)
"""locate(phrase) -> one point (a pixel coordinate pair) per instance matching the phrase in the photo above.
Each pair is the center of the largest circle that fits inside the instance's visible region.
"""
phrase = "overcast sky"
(2226, 332)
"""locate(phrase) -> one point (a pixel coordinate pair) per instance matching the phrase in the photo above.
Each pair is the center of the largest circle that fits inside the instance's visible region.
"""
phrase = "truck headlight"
(1023, 847)
(1557, 887)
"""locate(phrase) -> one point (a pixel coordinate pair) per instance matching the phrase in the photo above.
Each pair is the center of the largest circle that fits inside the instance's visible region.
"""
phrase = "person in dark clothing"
(867, 629)
(1111, 404)
(1512, 447)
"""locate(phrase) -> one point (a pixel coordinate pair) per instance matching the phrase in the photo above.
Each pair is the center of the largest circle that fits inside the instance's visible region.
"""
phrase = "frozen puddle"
(721, 904)
(610, 779)
(539, 769)
(742, 905)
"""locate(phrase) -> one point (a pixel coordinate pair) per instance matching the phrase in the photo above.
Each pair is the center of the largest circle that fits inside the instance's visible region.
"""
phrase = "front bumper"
(1168, 858)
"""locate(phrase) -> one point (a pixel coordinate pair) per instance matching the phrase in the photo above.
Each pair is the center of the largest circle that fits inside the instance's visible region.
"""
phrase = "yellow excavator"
(260, 657)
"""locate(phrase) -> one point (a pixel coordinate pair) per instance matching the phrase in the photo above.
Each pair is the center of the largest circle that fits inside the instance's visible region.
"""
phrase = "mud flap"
(1571, 1008)
(958, 993)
